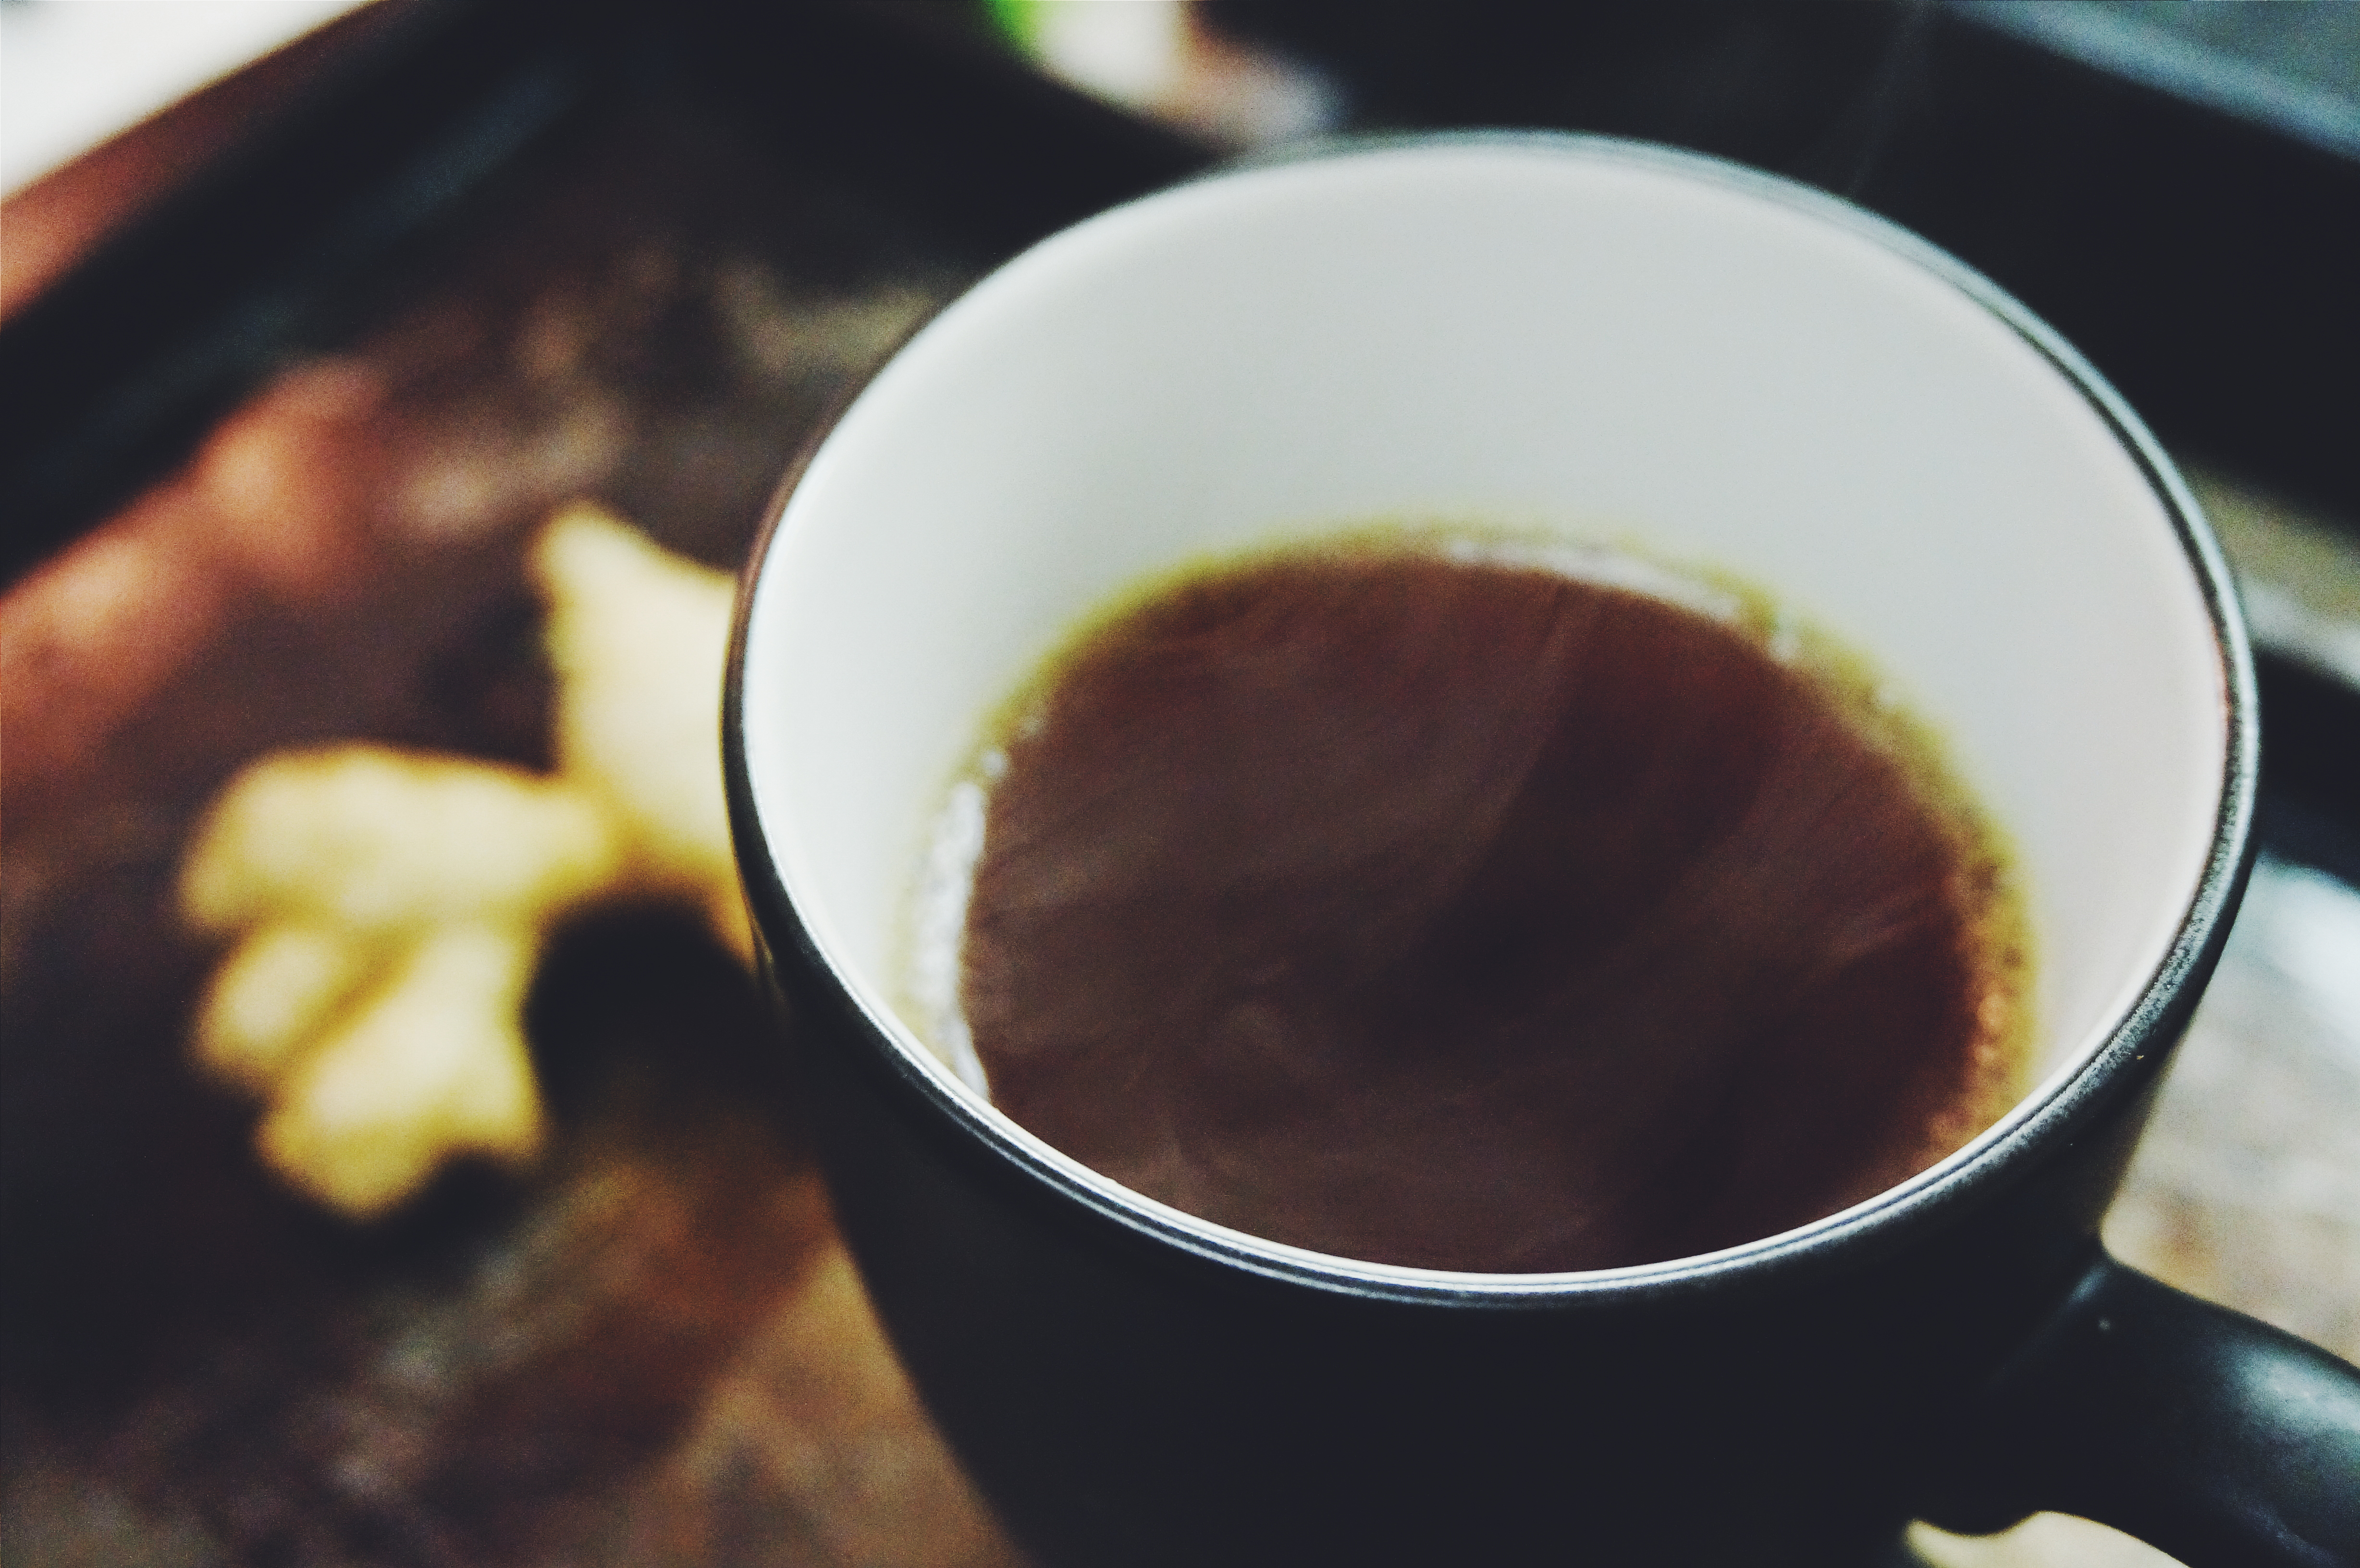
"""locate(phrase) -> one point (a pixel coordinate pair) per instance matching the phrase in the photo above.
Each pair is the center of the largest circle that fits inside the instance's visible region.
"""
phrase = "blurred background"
(311, 313)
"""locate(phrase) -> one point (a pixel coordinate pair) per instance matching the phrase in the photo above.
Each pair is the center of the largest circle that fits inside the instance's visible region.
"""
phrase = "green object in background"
(1019, 21)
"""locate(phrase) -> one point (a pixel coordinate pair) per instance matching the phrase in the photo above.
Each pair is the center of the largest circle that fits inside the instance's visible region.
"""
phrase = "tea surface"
(1461, 915)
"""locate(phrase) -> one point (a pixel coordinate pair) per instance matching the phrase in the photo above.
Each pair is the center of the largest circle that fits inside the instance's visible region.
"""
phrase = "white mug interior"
(1565, 337)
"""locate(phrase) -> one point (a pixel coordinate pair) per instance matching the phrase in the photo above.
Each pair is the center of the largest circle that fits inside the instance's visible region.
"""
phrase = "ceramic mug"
(1575, 337)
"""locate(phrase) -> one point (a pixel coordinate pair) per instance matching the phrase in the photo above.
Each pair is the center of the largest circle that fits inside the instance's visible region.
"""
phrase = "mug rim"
(2132, 1051)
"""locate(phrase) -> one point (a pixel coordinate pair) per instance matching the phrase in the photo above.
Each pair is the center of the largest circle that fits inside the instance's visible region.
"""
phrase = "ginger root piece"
(638, 638)
(274, 993)
(366, 838)
(389, 908)
(431, 1065)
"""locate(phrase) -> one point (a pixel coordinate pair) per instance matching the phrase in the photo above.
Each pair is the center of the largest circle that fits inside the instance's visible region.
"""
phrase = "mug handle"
(2216, 1438)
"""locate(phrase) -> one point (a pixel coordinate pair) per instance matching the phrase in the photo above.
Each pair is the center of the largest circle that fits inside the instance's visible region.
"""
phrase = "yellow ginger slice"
(638, 638)
(431, 1065)
(273, 994)
(366, 838)
(389, 908)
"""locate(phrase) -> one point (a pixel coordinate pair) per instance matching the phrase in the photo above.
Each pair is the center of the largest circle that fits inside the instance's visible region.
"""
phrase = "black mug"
(1582, 340)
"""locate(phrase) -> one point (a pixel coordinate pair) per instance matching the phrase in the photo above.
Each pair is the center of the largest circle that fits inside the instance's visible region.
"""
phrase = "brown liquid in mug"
(1476, 917)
